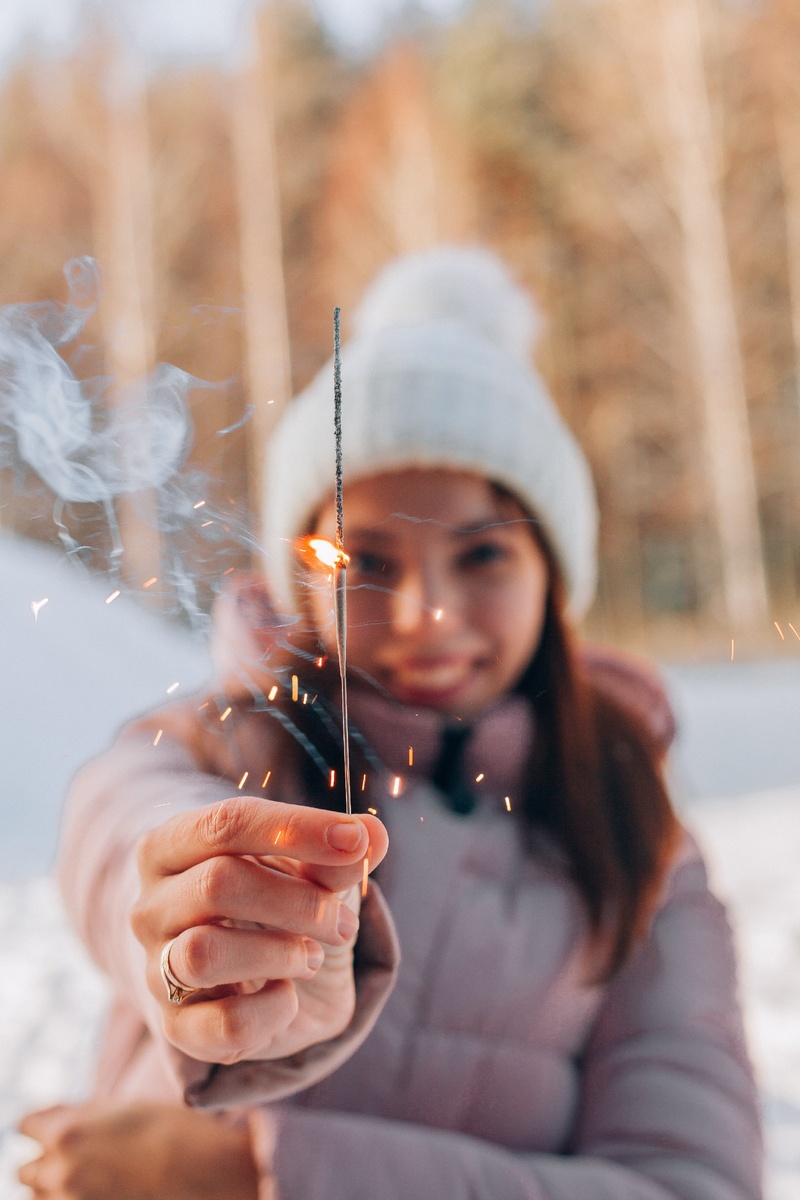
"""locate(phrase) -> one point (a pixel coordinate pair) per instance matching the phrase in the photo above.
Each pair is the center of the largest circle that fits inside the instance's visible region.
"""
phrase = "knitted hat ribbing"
(436, 375)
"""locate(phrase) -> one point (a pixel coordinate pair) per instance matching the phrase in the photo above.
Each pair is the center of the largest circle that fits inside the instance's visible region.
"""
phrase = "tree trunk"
(411, 198)
(125, 250)
(710, 311)
(267, 355)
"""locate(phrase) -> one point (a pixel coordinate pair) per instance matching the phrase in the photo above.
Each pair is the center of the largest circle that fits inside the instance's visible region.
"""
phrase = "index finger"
(48, 1123)
(253, 825)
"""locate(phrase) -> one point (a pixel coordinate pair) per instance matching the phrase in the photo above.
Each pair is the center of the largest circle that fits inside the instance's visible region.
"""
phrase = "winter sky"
(183, 28)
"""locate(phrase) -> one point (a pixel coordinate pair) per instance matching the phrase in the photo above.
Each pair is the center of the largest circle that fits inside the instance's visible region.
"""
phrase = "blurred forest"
(637, 163)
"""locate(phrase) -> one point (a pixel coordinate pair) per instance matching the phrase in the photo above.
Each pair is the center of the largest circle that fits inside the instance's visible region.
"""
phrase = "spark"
(150, 582)
(411, 756)
(37, 606)
(363, 783)
(332, 782)
(278, 837)
(480, 778)
(295, 685)
(173, 687)
(321, 661)
(273, 691)
(508, 803)
(365, 878)
(320, 553)
(229, 571)
(794, 631)
(374, 811)
(733, 649)
(243, 780)
(266, 779)
(202, 706)
(203, 524)
(437, 616)
(396, 786)
(227, 713)
(780, 631)
(110, 599)
(305, 697)
(199, 504)
(158, 737)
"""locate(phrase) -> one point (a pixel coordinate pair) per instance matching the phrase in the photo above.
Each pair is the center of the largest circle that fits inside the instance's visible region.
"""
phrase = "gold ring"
(176, 991)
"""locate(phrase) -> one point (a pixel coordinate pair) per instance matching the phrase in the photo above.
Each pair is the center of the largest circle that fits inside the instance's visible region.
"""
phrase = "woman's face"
(446, 588)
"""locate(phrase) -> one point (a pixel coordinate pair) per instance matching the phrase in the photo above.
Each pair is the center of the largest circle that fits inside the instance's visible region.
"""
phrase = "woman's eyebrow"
(369, 534)
(484, 524)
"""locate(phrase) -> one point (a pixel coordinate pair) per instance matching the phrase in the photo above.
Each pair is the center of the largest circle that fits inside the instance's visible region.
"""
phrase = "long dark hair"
(595, 784)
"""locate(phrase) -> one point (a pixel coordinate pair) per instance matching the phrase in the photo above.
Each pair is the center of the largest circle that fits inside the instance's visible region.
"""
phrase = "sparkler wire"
(340, 569)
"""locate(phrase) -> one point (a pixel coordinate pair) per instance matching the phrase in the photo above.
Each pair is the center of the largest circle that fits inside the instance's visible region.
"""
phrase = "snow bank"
(72, 674)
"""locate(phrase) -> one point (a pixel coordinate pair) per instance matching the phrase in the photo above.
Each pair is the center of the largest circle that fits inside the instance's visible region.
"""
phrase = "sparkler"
(340, 566)
(319, 551)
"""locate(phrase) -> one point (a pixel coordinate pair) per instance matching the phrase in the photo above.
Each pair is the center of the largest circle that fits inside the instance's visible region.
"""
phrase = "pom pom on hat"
(464, 284)
(435, 376)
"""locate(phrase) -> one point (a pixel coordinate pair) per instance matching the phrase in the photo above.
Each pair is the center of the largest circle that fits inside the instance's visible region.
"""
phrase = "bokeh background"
(237, 169)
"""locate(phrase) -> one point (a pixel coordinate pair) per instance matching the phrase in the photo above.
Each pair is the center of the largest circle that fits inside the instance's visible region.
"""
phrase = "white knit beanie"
(437, 374)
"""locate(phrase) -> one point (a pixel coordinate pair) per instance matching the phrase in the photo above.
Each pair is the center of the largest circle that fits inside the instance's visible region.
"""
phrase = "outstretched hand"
(138, 1152)
(259, 900)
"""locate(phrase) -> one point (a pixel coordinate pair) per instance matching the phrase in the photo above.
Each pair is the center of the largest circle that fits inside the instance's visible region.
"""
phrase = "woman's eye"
(483, 555)
(373, 565)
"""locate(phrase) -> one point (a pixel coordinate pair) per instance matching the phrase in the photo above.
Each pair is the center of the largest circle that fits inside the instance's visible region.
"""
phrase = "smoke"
(56, 424)
(89, 447)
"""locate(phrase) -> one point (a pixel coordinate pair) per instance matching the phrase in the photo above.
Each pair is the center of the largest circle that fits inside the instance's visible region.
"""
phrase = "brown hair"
(595, 785)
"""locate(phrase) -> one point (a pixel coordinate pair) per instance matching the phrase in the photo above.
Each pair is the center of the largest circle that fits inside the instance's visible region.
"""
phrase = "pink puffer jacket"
(489, 1067)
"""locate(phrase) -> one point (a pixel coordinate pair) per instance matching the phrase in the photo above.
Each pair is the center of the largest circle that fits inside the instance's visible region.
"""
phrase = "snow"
(80, 667)
(73, 672)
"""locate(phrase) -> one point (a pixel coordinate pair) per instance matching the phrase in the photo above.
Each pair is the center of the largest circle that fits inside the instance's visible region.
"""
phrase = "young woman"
(563, 1024)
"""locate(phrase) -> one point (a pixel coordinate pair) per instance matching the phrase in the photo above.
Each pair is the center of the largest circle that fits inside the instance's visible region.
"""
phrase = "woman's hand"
(138, 1152)
(259, 901)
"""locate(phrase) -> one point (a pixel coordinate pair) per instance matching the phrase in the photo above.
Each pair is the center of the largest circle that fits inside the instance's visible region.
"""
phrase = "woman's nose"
(417, 600)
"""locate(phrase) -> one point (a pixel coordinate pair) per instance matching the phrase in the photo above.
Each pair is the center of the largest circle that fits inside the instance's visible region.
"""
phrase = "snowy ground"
(73, 674)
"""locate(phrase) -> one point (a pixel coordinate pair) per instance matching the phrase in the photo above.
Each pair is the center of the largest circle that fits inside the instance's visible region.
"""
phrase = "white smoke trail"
(88, 450)
(56, 424)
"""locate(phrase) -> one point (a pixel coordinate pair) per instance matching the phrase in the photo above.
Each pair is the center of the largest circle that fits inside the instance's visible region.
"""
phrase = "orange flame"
(320, 554)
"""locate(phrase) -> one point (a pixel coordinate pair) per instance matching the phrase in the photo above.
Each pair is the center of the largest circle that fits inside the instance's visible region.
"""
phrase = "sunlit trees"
(637, 163)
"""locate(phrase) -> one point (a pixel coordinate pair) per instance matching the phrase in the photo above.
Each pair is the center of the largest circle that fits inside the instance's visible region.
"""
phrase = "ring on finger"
(177, 992)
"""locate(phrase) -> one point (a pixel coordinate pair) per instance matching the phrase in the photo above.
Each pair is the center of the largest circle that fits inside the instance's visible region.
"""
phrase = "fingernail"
(348, 921)
(315, 955)
(345, 836)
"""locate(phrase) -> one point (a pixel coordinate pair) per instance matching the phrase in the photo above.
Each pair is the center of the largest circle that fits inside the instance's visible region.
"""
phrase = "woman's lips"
(431, 679)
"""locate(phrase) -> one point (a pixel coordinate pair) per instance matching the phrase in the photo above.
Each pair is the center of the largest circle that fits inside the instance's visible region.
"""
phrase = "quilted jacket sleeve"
(155, 771)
